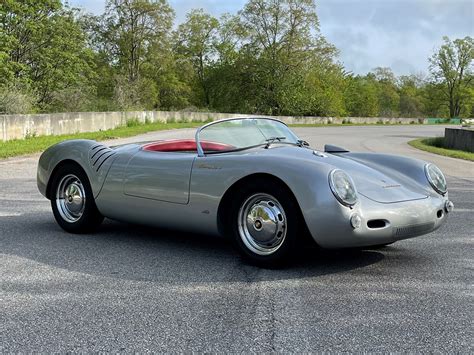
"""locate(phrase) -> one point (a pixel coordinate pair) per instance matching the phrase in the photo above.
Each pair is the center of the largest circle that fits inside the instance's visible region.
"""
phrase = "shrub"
(435, 142)
(134, 95)
(134, 122)
(74, 99)
(30, 134)
(15, 99)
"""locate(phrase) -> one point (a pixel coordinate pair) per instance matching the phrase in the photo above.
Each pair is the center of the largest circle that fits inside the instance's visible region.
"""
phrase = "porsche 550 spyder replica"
(249, 178)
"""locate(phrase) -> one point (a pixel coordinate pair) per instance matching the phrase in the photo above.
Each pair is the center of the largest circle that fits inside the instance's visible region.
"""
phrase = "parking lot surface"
(129, 288)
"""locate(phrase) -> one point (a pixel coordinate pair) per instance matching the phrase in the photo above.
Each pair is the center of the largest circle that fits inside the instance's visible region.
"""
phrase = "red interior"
(184, 145)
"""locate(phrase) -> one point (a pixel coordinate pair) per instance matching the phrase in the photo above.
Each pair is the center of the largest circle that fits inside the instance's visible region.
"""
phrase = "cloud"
(95, 6)
(214, 7)
(398, 34)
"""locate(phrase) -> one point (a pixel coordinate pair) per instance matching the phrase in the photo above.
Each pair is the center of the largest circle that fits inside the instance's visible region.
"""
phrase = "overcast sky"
(400, 34)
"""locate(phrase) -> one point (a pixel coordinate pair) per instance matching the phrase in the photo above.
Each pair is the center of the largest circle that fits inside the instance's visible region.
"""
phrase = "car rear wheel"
(266, 223)
(72, 200)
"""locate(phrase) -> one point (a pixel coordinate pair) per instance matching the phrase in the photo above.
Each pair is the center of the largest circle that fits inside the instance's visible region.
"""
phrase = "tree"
(268, 58)
(231, 34)
(127, 39)
(131, 27)
(451, 67)
(283, 37)
(195, 42)
(387, 91)
(361, 97)
(24, 25)
(316, 89)
(231, 78)
(42, 47)
(411, 96)
(271, 59)
(170, 75)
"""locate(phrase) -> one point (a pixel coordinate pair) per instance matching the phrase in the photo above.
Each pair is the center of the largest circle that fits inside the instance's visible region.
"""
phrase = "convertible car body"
(249, 178)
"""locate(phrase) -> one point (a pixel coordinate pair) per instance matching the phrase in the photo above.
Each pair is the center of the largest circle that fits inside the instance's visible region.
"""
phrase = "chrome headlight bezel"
(333, 175)
(434, 181)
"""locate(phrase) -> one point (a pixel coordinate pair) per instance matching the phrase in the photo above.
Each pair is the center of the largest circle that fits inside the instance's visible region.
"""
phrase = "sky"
(400, 34)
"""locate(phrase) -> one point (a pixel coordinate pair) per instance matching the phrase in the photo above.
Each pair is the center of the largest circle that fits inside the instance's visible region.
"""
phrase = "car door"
(162, 176)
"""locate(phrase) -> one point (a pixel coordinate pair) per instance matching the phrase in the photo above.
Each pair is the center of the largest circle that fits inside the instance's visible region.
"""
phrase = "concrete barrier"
(459, 138)
(22, 126)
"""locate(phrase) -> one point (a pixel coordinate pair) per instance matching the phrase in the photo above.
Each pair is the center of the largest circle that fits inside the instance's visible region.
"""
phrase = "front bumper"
(380, 223)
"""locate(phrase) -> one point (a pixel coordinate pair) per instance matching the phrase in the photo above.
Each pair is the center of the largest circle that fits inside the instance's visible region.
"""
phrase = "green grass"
(34, 144)
(436, 145)
(346, 124)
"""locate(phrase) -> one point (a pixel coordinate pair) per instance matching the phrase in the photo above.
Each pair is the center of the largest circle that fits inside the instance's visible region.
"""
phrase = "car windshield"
(241, 133)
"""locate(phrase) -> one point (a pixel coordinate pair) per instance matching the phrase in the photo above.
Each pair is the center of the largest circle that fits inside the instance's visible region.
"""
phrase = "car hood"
(369, 182)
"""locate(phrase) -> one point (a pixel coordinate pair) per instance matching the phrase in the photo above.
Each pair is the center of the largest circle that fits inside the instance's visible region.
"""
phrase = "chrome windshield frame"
(200, 151)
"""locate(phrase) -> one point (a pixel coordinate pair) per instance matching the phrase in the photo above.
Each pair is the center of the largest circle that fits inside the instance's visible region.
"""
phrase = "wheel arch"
(59, 165)
(224, 204)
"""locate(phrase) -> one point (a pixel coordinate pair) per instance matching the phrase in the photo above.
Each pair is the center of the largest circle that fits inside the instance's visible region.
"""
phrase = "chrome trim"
(334, 191)
(262, 224)
(200, 151)
(428, 177)
(70, 198)
(449, 206)
(319, 154)
(356, 221)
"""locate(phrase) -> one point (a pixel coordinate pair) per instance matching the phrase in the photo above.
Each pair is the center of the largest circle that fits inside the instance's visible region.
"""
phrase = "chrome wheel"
(70, 198)
(262, 224)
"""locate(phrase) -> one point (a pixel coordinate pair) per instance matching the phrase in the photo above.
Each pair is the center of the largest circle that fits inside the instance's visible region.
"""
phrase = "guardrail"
(22, 126)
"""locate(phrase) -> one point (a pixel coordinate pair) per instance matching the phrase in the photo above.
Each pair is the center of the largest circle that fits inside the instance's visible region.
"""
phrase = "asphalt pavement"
(127, 288)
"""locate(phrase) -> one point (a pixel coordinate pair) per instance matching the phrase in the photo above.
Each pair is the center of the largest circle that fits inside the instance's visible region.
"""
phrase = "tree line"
(269, 58)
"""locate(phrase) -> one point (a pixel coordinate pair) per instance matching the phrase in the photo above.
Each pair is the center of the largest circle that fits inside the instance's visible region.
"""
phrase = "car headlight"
(342, 187)
(436, 178)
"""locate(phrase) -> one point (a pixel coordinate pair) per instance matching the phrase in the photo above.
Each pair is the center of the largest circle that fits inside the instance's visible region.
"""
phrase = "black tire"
(88, 218)
(293, 222)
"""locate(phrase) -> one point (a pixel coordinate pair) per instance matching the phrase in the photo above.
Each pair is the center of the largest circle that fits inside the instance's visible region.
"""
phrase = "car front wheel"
(72, 200)
(266, 224)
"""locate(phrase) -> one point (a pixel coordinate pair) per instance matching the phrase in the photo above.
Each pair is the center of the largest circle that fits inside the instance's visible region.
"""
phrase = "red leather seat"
(184, 145)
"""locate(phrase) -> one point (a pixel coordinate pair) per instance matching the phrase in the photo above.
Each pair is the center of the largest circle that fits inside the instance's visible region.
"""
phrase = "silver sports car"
(251, 179)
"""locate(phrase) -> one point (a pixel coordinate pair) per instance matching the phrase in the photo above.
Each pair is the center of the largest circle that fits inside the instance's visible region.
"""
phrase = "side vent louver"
(98, 155)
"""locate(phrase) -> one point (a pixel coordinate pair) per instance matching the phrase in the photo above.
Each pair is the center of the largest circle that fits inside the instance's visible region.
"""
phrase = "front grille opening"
(440, 213)
(376, 223)
(413, 230)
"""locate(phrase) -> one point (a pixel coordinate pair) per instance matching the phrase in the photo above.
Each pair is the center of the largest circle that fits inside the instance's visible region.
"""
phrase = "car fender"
(307, 179)
(94, 158)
